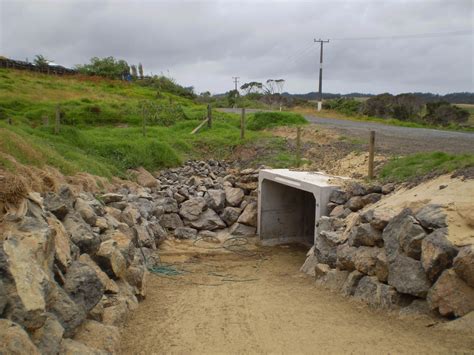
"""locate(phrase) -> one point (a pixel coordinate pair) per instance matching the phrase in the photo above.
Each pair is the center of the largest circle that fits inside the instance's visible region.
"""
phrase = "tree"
(108, 67)
(41, 61)
(251, 87)
(232, 97)
(443, 113)
(140, 70)
(133, 68)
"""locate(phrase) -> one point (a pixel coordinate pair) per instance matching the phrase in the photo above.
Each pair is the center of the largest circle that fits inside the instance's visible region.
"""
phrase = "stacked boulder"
(391, 260)
(202, 198)
(73, 264)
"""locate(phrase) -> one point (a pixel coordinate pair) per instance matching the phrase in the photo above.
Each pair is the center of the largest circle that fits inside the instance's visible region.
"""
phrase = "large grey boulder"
(48, 337)
(349, 286)
(111, 260)
(68, 313)
(432, 216)
(345, 257)
(110, 287)
(215, 199)
(450, 295)
(86, 211)
(230, 215)
(111, 197)
(169, 204)
(54, 204)
(3, 297)
(355, 203)
(241, 230)
(331, 279)
(377, 294)
(81, 233)
(83, 285)
(365, 235)
(171, 221)
(130, 215)
(249, 215)
(365, 259)
(464, 264)
(185, 233)
(233, 196)
(408, 276)
(326, 246)
(209, 220)
(437, 253)
(191, 209)
(14, 340)
(144, 236)
(338, 196)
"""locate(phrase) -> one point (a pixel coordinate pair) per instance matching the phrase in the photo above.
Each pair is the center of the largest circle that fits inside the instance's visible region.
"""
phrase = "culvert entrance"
(290, 205)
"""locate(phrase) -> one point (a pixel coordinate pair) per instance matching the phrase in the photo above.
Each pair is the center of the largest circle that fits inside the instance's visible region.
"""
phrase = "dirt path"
(231, 304)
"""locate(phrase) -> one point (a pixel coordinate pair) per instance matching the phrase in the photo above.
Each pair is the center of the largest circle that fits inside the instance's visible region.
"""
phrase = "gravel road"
(394, 139)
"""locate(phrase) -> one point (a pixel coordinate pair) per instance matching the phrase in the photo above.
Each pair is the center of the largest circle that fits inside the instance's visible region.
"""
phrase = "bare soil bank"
(262, 304)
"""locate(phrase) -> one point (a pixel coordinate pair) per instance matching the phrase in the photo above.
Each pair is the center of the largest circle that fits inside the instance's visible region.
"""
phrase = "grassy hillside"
(101, 129)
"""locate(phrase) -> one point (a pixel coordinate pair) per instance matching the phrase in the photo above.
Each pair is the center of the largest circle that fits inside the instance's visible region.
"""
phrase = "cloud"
(205, 43)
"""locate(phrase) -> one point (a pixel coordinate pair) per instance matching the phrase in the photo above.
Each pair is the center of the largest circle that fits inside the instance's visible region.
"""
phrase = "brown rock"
(249, 215)
(145, 179)
(14, 340)
(464, 264)
(437, 254)
(99, 336)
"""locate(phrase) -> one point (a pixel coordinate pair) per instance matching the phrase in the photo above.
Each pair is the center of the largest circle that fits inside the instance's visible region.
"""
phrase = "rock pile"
(391, 260)
(73, 265)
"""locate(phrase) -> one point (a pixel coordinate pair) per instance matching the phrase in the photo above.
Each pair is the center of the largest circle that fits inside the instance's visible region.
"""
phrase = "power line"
(408, 36)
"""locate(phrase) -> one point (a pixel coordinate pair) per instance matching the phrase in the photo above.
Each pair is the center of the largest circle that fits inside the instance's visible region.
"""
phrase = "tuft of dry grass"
(13, 188)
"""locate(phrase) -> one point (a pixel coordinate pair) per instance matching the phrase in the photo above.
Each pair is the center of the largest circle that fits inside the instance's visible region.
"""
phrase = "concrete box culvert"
(290, 205)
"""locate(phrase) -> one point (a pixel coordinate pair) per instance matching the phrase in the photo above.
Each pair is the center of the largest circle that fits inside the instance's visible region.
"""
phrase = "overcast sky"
(203, 44)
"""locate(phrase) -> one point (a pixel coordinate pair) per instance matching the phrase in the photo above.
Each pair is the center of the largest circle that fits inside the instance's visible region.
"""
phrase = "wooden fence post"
(371, 154)
(242, 124)
(298, 146)
(58, 120)
(209, 116)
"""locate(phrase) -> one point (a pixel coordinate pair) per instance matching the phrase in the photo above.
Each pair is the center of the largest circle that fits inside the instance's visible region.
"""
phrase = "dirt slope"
(282, 311)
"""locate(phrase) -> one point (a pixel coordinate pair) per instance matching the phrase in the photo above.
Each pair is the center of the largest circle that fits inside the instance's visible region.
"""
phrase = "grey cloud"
(205, 43)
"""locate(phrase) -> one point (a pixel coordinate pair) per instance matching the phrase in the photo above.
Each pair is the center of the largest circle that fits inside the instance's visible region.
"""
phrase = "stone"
(72, 347)
(68, 313)
(233, 196)
(171, 221)
(408, 276)
(115, 314)
(111, 197)
(320, 270)
(209, 220)
(48, 337)
(3, 297)
(110, 259)
(419, 308)
(14, 340)
(192, 209)
(388, 188)
(464, 264)
(124, 245)
(351, 222)
(355, 203)
(81, 233)
(99, 336)
(326, 246)
(55, 205)
(371, 198)
(356, 189)
(437, 253)
(365, 235)
(230, 215)
(338, 196)
(376, 294)
(381, 266)
(158, 231)
(465, 324)
(215, 199)
(145, 207)
(143, 236)
(349, 286)
(330, 224)
(83, 285)
(130, 215)
(109, 285)
(380, 218)
(85, 211)
(179, 198)
(144, 178)
(432, 216)
(333, 279)
(309, 265)
(365, 259)
(185, 233)
(137, 277)
(403, 230)
(28, 259)
(241, 230)
(345, 257)
(451, 296)
(340, 212)
(249, 215)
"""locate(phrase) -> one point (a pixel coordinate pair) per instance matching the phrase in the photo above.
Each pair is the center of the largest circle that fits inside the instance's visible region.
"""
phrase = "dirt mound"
(355, 165)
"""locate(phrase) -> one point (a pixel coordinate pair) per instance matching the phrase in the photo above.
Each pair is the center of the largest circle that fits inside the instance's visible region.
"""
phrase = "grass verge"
(262, 120)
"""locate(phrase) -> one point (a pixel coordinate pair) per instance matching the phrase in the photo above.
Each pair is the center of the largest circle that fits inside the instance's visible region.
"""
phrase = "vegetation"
(421, 164)
(263, 120)
(108, 67)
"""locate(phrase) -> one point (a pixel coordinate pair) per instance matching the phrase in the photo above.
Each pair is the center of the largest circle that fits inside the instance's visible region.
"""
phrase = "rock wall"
(389, 260)
(73, 265)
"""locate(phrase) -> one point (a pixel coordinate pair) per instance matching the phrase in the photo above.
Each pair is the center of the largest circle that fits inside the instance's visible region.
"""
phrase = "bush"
(404, 107)
(164, 84)
(443, 113)
(262, 120)
(346, 106)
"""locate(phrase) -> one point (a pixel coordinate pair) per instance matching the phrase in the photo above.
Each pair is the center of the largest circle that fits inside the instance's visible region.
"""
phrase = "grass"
(387, 121)
(101, 129)
(263, 120)
(421, 164)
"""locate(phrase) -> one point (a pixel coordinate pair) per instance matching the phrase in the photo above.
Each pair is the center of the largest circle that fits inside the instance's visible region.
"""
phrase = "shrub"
(347, 106)
(443, 113)
(262, 120)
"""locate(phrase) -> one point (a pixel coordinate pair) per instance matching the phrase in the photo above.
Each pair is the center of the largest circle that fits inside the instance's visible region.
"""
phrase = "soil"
(261, 303)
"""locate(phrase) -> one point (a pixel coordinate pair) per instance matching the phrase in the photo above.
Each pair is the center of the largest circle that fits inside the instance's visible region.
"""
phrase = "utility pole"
(320, 98)
(236, 81)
